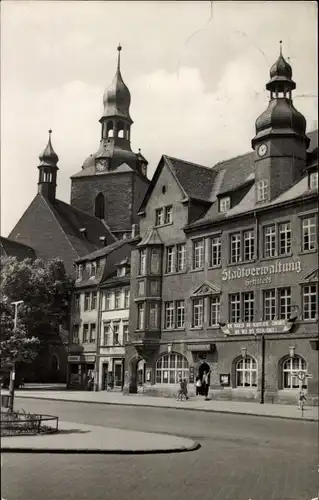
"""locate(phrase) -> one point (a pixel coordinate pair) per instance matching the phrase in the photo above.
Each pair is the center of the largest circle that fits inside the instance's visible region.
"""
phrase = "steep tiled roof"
(72, 220)
(103, 252)
(151, 237)
(115, 281)
(12, 248)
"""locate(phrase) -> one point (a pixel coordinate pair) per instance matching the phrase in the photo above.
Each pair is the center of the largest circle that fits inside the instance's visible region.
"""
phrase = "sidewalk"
(80, 438)
(310, 413)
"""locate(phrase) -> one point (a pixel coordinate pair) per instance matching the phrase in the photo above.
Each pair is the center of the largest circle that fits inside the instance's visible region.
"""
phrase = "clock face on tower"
(262, 150)
(101, 164)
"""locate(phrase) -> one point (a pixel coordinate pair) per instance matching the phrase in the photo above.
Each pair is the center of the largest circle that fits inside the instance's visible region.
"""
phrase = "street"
(241, 458)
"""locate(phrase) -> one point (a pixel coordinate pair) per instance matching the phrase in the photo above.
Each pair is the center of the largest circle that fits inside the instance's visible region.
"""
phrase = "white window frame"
(309, 297)
(198, 312)
(269, 304)
(170, 259)
(118, 299)
(79, 272)
(248, 306)
(87, 301)
(92, 330)
(234, 308)
(93, 301)
(198, 253)
(249, 245)
(180, 314)
(224, 204)
(284, 240)
(168, 214)
(284, 303)
(140, 315)
(235, 248)
(169, 315)
(107, 333)
(313, 180)
(155, 261)
(181, 257)
(262, 190)
(309, 229)
(214, 316)
(246, 373)
(93, 270)
(290, 368)
(269, 241)
(142, 262)
(126, 331)
(116, 333)
(85, 333)
(153, 315)
(170, 367)
(127, 295)
(108, 301)
(159, 216)
(215, 251)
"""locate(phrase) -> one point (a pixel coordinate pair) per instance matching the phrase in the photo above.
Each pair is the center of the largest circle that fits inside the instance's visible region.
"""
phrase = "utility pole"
(16, 304)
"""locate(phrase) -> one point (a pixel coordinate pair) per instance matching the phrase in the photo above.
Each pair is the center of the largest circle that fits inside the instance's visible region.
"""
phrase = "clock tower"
(280, 142)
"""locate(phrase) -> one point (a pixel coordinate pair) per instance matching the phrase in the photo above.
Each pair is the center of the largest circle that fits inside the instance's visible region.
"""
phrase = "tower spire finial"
(119, 48)
(280, 45)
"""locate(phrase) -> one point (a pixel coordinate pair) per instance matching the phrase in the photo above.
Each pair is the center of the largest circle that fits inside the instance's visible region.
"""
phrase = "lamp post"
(13, 369)
(262, 385)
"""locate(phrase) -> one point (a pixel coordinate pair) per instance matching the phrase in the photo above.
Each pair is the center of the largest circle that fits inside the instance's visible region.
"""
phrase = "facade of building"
(112, 182)
(99, 319)
(225, 276)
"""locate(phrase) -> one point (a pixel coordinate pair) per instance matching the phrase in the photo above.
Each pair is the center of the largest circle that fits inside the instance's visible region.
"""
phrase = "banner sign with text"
(259, 327)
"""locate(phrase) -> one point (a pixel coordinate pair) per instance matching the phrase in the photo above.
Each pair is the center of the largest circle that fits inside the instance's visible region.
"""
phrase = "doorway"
(105, 379)
(117, 377)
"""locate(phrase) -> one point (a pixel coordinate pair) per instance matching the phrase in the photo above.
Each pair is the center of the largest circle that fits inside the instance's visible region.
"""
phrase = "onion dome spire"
(281, 75)
(117, 97)
(49, 156)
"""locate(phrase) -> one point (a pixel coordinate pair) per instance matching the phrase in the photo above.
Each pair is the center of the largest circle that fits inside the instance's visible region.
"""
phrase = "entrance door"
(117, 374)
(105, 370)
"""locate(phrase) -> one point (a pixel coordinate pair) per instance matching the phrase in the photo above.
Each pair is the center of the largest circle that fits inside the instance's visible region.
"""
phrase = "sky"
(196, 72)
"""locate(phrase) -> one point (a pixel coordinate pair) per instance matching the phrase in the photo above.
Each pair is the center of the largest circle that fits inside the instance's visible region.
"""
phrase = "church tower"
(48, 171)
(112, 182)
(280, 142)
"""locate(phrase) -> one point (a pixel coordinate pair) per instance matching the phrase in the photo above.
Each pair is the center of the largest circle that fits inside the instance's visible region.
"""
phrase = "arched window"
(120, 130)
(290, 369)
(246, 372)
(170, 367)
(100, 206)
(109, 129)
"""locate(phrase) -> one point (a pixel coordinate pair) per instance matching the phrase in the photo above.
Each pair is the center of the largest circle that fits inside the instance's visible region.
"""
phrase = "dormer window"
(262, 190)
(313, 180)
(121, 271)
(224, 204)
(79, 272)
(92, 268)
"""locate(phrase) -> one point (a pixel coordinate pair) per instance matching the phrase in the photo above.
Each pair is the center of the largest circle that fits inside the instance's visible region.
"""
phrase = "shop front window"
(170, 367)
(246, 373)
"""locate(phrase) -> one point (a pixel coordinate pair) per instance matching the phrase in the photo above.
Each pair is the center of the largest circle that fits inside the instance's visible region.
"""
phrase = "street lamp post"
(16, 304)
(262, 385)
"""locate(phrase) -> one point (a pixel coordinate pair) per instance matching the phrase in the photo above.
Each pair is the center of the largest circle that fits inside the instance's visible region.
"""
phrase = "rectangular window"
(168, 214)
(153, 315)
(85, 333)
(310, 302)
(142, 263)
(284, 238)
(126, 298)
(125, 332)
(248, 303)
(117, 299)
(262, 190)
(309, 233)
(159, 217)
(198, 311)
(249, 245)
(180, 314)
(224, 204)
(313, 180)
(107, 333)
(116, 333)
(79, 272)
(141, 288)
(170, 259)
(77, 302)
(269, 305)
(235, 248)
(107, 300)
(155, 261)
(93, 270)
(234, 308)
(270, 241)
(154, 285)
(284, 299)
(198, 254)
(75, 334)
(87, 301)
(214, 310)
(140, 316)
(94, 300)
(92, 332)
(181, 257)
(169, 315)
(215, 256)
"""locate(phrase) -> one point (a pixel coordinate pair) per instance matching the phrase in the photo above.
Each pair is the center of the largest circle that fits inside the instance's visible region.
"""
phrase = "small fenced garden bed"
(18, 423)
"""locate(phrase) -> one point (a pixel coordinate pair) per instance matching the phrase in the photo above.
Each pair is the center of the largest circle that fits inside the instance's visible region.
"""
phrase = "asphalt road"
(241, 458)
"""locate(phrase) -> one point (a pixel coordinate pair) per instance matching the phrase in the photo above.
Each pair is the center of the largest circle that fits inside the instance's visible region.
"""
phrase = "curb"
(95, 451)
(208, 410)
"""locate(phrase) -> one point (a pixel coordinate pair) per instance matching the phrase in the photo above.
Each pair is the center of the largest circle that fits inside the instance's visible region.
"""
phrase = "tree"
(46, 290)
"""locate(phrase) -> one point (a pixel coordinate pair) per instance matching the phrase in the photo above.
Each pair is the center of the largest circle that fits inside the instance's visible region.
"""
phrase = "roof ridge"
(189, 162)
(232, 158)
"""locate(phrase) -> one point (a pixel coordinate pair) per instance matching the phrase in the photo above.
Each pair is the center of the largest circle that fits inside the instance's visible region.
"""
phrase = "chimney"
(103, 239)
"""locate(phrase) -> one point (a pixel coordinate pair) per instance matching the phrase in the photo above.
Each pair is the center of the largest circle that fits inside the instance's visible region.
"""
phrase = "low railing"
(21, 423)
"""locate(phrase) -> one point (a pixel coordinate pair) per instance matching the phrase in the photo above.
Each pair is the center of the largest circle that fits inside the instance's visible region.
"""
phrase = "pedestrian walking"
(301, 399)
(198, 385)
(184, 389)
(206, 384)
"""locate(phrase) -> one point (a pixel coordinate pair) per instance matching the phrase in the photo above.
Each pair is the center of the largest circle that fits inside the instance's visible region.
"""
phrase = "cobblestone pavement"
(241, 458)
